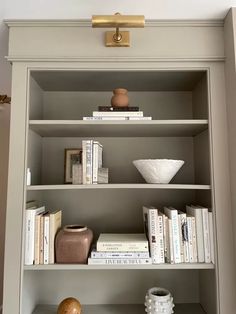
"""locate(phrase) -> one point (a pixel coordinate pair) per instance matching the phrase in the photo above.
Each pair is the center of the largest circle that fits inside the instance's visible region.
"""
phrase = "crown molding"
(87, 23)
(113, 59)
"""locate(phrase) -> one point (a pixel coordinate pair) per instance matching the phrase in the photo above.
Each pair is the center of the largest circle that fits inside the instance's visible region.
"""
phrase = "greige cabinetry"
(178, 79)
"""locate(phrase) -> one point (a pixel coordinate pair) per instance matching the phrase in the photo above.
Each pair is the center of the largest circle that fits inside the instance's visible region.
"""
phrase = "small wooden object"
(4, 99)
(69, 306)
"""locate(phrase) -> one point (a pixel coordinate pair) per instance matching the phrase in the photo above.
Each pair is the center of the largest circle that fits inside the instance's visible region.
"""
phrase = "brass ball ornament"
(69, 306)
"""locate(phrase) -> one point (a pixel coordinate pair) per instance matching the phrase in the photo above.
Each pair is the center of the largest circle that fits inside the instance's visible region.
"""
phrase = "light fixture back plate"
(124, 42)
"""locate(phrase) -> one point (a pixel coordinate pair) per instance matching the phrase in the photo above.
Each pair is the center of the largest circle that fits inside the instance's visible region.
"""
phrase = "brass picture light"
(118, 38)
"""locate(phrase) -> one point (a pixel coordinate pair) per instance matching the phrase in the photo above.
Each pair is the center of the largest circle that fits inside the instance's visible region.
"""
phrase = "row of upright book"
(170, 236)
(179, 237)
(117, 113)
(41, 227)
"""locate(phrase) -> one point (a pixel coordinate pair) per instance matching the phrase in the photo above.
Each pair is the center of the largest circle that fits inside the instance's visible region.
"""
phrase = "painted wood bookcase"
(174, 71)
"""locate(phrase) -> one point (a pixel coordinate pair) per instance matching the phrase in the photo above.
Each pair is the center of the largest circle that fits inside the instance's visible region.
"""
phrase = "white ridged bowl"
(158, 170)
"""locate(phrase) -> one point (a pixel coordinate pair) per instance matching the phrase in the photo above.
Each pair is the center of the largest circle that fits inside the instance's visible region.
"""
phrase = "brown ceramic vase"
(120, 98)
(73, 244)
(69, 306)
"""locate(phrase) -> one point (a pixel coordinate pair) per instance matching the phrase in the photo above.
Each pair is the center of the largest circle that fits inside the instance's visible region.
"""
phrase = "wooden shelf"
(183, 266)
(153, 128)
(192, 308)
(118, 186)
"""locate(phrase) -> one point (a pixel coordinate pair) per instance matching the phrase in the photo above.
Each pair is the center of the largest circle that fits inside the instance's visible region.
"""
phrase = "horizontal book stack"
(41, 228)
(179, 237)
(120, 249)
(93, 171)
(119, 114)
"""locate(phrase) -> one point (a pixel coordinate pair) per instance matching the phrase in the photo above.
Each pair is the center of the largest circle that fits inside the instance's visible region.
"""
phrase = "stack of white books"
(41, 228)
(91, 161)
(179, 237)
(120, 249)
(117, 115)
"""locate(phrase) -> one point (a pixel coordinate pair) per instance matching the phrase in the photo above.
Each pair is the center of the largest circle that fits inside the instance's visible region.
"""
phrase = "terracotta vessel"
(69, 306)
(73, 244)
(120, 98)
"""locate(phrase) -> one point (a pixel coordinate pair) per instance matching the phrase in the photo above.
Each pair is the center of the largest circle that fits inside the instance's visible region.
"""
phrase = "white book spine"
(160, 239)
(30, 233)
(185, 237)
(119, 261)
(95, 161)
(206, 235)
(105, 118)
(170, 250)
(140, 118)
(181, 238)
(165, 237)
(46, 241)
(173, 214)
(37, 240)
(122, 247)
(29, 246)
(89, 161)
(197, 213)
(84, 159)
(124, 255)
(190, 239)
(118, 113)
(153, 234)
(195, 258)
(210, 218)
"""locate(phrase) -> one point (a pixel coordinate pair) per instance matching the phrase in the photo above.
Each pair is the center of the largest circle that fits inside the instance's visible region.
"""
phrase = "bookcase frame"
(17, 189)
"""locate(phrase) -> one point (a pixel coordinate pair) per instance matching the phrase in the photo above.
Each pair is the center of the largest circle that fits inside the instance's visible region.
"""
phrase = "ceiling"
(152, 9)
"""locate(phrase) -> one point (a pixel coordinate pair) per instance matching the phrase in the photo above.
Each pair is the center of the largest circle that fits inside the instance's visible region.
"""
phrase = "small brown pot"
(73, 244)
(69, 306)
(120, 98)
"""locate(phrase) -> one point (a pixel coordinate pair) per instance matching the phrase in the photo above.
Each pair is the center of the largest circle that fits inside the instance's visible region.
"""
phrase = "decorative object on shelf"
(4, 99)
(117, 38)
(120, 98)
(73, 244)
(72, 156)
(159, 300)
(158, 170)
(28, 177)
(77, 173)
(103, 175)
(69, 306)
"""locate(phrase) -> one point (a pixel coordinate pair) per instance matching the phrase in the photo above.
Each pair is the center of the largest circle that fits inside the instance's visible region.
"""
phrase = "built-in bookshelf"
(178, 81)
(179, 130)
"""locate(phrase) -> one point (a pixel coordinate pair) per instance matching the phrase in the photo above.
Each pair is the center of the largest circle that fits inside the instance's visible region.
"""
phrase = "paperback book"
(119, 261)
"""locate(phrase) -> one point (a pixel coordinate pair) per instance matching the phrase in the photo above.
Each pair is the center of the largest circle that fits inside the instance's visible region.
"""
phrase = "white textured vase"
(159, 301)
(158, 170)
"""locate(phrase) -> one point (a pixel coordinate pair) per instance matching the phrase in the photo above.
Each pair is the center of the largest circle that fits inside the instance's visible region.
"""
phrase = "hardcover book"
(119, 261)
(109, 108)
(118, 113)
(54, 225)
(113, 242)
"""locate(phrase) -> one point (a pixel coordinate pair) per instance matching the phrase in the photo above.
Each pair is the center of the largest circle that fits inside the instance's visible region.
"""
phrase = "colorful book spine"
(119, 261)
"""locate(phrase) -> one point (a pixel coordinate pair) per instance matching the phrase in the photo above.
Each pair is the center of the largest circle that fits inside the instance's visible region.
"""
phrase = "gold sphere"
(69, 306)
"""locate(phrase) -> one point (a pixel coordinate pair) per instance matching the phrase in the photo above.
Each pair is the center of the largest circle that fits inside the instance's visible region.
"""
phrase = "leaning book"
(112, 242)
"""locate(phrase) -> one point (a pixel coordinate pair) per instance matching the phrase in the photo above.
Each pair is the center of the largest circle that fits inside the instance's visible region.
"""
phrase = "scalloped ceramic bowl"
(158, 170)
